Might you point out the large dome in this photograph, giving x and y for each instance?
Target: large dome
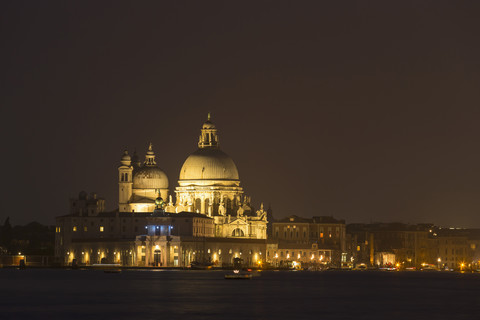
(149, 177)
(209, 164)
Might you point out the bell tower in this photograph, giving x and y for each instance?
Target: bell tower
(125, 182)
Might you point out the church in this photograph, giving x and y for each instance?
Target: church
(208, 219)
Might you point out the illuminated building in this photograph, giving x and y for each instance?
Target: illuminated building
(453, 247)
(211, 220)
(319, 240)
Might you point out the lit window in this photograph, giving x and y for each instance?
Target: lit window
(74, 228)
(358, 248)
(85, 228)
(101, 228)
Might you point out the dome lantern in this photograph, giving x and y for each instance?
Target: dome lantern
(150, 156)
(208, 135)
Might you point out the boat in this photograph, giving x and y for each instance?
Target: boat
(238, 276)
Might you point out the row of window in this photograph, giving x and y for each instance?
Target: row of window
(230, 251)
(329, 229)
(301, 254)
(296, 234)
(100, 228)
(85, 228)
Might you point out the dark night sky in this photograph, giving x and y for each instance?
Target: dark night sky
(368, 111)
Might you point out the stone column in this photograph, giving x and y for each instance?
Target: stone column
(202, 203)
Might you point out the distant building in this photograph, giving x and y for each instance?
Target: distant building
(457, 248)
(413, 246)
(318, 240)
(410, 244)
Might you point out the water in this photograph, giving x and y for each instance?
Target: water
(93, 294)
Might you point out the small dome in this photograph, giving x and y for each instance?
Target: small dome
(126, 156)
(209, 164)
(208, 125)
(149, 177)
(126, 159)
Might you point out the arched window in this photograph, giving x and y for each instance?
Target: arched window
(238, 233)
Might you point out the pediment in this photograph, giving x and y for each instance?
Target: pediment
(238, 222)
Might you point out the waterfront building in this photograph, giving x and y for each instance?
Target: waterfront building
(210, 219)
(359, 245)
(457, 248)
(318, 240)
(411, 245)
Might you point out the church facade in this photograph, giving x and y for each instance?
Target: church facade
(208, 219)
